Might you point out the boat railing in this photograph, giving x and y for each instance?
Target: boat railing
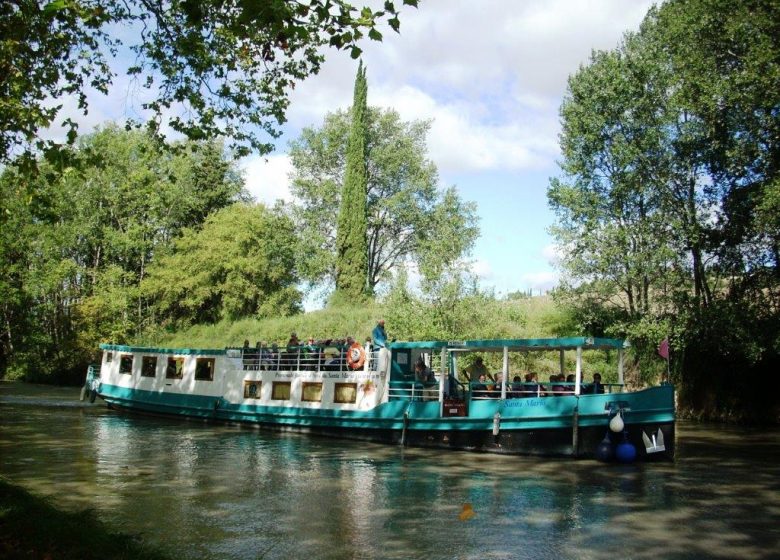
(93, 373)
(91, 383)
(410, 391)
(304, 358)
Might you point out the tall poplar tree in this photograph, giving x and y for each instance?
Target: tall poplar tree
(351, 244)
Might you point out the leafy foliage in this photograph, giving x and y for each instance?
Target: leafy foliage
(667, 201)
(409, 217)
(211, 68)
(351, 243)
(75, 244)
(241, 263)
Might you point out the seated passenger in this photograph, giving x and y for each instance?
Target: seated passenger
(290, 357)
(423, 374)
(533, 388)
(273, 357)
(517, 387)
(570, 383)
(555, 381)
(311, 355)
(479, 389)
(594, 388)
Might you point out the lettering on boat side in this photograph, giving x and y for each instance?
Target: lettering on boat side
(524, 402)
(329, 375)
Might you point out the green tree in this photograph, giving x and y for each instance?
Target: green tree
(668, 194)
(240, 264)
(615, 223)
(212, 68)
(410, 218)
(74, 246)
(351, 230)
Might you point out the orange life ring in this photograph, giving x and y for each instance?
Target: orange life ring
(356, 356)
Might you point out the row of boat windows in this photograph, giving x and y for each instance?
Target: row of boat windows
(344, 393)
(174, 369)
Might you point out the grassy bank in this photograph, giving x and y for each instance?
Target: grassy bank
(30, 527)
(523, 318)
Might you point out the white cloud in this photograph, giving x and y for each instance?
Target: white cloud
(482, 269)
(267, 178)
(490, 75)
(472, 46)
(552, 253)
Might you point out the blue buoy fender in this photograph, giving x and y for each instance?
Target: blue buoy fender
(625, 450)
(605, 452)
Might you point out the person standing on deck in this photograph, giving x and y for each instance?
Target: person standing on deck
(476, 369)
(378, 335)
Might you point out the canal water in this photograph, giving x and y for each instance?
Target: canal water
(198, 491)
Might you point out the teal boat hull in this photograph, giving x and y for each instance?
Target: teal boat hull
(567, 425)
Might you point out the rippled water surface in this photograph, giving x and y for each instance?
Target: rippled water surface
(204, 491)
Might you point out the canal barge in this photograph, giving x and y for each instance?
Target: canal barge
(374, 394)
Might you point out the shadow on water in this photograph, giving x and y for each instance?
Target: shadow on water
(204, 491)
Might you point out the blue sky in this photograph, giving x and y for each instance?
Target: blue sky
(491, 75)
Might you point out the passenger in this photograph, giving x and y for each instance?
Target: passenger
(290, 357)
(335, 357)
(344, 345)
(454, 390)
(534, 389)
(311, 357)
(517, 387)
(379, 335)
(598, 388)
(267, 360)
(496, 394)
(423, 374)
(526, 387)
(245, 357)
(476, 369)
(480, 389)
(254, 357)
(555, 381)
(570, 383)
(274, 356)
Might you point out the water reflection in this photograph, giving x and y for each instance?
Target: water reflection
(205, 491)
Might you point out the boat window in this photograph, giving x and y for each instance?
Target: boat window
(345, 393)
(312, 392)
(126, 364)
(109, 356)
(149, 366)
(175, 368)
(281, 391)
(252, 389)
(204, 369)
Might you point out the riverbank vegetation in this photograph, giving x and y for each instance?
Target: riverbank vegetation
(668, 222)
(668, 206)
(31, 527)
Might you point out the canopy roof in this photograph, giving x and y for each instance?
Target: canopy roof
(518, 344)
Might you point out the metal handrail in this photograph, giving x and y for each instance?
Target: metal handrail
(302, 358)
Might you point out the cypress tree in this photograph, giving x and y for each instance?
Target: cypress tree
(351, 243)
